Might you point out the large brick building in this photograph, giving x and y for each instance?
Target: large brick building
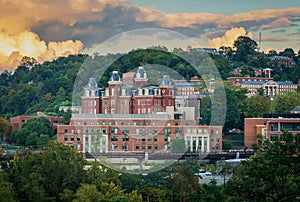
(133, 116)
(270, 127)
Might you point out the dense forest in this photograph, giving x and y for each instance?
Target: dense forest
(34, 87)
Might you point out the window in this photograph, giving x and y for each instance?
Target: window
(114, 130)
(155, 147)
(78, 147)
(114, 146)
(167, 139)
(78, 139)
(167, 131)
(137, 146)
(72, 138)
(143, 146)
(125, 147)
(274, 137)
(282, 137)
(66, 138)
(149, 131)
(149, 139)
(125, 138)
(149, 146)
(155, 139)
(66, 130)
(125, 131)
(137, 139)
(178, 130)
(114, 138)
(143, 139)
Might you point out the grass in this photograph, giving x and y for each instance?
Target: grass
(237, 140)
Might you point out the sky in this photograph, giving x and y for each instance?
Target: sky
(46, 29)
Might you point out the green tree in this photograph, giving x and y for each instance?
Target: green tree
(290, 100)
(87, 192)
(211, 192)
(7, 193)
(48, 174)
(36, 132)
(256, 106)
(182, 182)
(271, 175)
(226, 145)
(244, 46)
(178, 145)
(288, 52)
(4, 127)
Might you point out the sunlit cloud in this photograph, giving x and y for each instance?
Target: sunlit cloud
(14, 47)
(228, 38)
(41, 29)
(281, 22)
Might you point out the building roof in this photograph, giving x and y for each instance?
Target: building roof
(281, 116)
(296, 109)
(184, 84)
(128, 74)
(236, 69)
(284, 82)
(254, 82)
(281, 57)
(256, 69)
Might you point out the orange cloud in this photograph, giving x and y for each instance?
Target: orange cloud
(14, 47)
(281, 22)
(228, 38)
(19, 18)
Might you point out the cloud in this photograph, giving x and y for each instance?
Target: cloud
(281, 22)
(14, 47)
(228, 38)
(278, 30)
(275, 38)
(57, 22)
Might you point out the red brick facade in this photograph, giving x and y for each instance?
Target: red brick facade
(17, 122)
(270, 128)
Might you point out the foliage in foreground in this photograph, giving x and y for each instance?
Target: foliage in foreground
(58, 174)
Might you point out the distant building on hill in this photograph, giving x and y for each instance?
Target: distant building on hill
(283, 60)
(17, 122)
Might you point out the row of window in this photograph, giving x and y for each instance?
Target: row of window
(150, 131)
(137, 139)
(71, 138)
(138, 147)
